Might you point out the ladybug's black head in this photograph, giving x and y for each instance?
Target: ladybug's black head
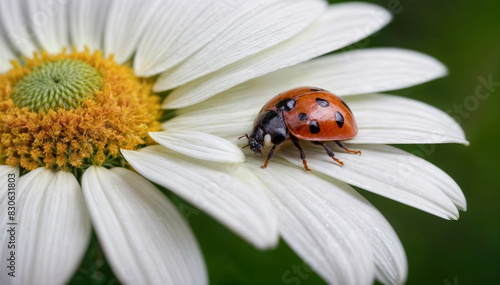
(256, 140)
(267, 123)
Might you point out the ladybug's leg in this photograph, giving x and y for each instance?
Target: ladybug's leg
(329, 152)
(302, 154)
(268, 157)
(342, 145)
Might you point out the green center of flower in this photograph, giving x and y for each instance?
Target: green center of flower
(64, 84)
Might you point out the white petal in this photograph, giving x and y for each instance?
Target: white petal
(385, 119)
(200, 145)
(230, 121)
(389, 172)
(6, 53)
(340, 26)
(318, 221)
(16, 27)
(348, 73)
(337, 198)
(179, 28)
(228, 192)
(264, 25)
(87, 22)
(388, 252)
(373, 70)
(145, 239)
(126, 22)
(49, 22)
(53, 228)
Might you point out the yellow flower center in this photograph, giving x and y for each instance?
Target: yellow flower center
(72, 110)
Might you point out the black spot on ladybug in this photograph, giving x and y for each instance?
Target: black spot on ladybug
(345, 105)
(339, 118)
(314, 127)
(286, 104)
(317, 89)
(322, 102)
(303, 117)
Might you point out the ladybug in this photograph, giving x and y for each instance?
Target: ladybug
(304, 113)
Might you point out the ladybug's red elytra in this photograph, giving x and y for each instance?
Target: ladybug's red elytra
(304, 113)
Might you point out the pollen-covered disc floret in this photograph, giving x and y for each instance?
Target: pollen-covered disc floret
(73, 109)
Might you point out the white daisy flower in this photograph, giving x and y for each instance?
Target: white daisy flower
(79, 119)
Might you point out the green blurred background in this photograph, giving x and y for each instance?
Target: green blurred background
(465, 36)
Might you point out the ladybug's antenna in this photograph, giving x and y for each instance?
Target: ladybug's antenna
(243, 136)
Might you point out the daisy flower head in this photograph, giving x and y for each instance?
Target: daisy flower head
(101, 99)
